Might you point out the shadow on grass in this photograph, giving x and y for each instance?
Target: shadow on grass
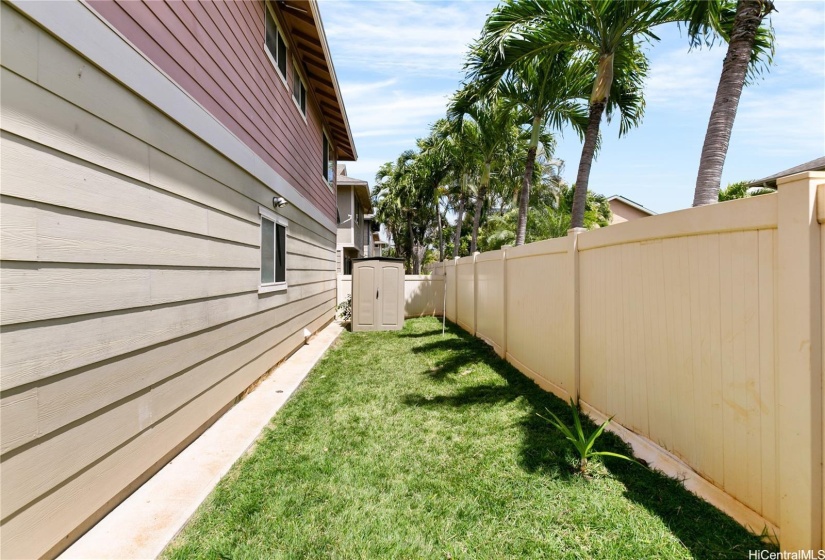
(705, 531)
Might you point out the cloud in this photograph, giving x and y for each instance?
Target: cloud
(404, 36)
(395, 113)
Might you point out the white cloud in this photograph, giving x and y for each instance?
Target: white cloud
(394, 113)
(403, 36)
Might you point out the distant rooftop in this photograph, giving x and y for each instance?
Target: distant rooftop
(629, 202)
(817, 164)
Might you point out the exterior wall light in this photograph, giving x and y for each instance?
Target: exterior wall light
(279, 202)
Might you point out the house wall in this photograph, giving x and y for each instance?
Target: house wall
(624, 212)
(215, 52)
(345, 212)
(700, 332)
(130, 269)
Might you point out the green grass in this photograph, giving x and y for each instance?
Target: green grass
(414, 445)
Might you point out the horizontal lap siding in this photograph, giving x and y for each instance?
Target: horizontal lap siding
(131, 313)
(214, 50)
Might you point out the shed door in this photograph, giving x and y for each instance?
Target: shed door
(390, 314)
(365, 302)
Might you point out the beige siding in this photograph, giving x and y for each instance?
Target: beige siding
(131, 313)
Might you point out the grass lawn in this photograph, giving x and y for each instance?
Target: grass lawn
(414, 445)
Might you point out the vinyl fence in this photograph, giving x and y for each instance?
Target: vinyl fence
(699, 330)
(424, 294)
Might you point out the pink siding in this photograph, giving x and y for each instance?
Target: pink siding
(214, 50)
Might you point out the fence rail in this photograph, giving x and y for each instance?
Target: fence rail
(700, 331)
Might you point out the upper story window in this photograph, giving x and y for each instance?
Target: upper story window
(273, 251)
(299, 91)
(274, 44)
(328, 163)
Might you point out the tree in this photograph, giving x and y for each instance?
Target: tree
(601, 33)
(549, 90)
(738, 190)
(431, 168)
(750, 50)
(496, 131)
(458, 143)
(403, 202)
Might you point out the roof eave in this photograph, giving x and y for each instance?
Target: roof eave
(316, 14)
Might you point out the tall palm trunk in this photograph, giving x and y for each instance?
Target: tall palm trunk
(480, 198)
(598, 101)
(583, 176)
(749, 15)
(524, 197)
(459, 221)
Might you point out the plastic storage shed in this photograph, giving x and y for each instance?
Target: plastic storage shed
(377, 294)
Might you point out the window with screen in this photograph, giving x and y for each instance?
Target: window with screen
(273, 251)
(328, 163)
(299, 91)
(275, 45)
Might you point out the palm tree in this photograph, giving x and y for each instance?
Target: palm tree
(741, 189)
(496, 131)
(750, 49)
(550, 90)
(603, 33)
(432, 167)
(457, 142)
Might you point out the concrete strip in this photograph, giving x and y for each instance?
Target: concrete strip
(143, 524)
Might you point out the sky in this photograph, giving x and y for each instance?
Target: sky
(398, 62)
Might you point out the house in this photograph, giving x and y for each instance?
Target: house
(168, 235)
(356, 237)
(625, 210)
(817, 164)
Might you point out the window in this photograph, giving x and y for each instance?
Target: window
(273, 251)
(275, 45)
(299, 91)
(328, 163)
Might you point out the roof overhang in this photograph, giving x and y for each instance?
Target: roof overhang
(361, 189)
(303, 20)
(817, 164)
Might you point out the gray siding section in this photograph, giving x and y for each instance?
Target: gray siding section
(129, 282)
(345, 214)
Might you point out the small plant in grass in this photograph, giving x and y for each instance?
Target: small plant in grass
(345, 309)
(581, 442)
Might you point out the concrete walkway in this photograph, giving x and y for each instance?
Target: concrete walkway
(142, 525)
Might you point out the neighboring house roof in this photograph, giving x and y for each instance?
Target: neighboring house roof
(817, 164)
(305, 27)
(635, 205)
(361, 187)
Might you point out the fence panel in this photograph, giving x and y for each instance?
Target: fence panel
(465, 294)
(678, 342)
(490, 299)
(540, 327)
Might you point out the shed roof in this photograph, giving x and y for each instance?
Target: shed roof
(303, 20)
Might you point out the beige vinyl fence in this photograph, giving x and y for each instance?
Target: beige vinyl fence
(699, 330)
(423, 294)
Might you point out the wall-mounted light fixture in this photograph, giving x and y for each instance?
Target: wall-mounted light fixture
(279, 202)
